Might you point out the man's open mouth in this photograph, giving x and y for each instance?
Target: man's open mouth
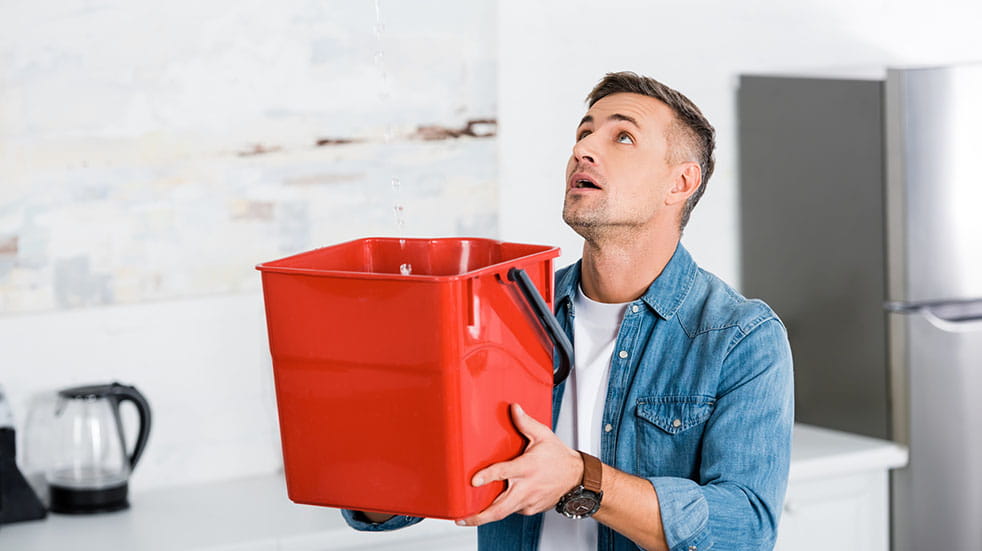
(581, 181)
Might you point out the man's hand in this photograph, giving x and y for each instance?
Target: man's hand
(536, 479)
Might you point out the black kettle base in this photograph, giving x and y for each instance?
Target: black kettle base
(77, 501)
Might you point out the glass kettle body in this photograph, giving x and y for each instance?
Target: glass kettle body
(77, 442)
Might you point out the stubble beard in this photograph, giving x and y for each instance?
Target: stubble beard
(591, 222)
(596, 224)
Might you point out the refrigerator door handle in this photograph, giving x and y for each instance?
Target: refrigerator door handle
(953, 316)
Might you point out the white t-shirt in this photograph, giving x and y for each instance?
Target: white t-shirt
(595, 327)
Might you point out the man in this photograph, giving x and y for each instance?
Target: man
(682, 388)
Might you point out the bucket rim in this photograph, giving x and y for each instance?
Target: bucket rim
(547, 252)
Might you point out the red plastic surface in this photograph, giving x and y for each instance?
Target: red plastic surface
(393, 390)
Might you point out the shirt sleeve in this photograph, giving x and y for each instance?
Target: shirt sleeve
(358, 521)
(746, 453)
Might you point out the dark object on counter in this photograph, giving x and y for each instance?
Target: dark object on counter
(18, 502)
(82, 501)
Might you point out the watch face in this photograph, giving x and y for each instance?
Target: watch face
(580, 503)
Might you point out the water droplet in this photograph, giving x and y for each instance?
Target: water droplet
(400, 216)
(405, 269)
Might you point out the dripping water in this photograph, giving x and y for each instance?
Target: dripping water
(384, 96)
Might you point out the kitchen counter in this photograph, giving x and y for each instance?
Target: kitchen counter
(254, 514)
(250, 514)
(838, 491)
(819, 453)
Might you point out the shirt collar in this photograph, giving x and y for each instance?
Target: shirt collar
(666, 293)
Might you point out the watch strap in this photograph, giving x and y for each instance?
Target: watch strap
(592, 473)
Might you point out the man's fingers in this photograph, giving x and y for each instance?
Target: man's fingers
(498, 471)
(528, 425)
(501, 507)
(526, 497)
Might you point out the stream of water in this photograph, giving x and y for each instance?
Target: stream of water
(384, 96)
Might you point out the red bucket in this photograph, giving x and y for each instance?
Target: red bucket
(393, 390)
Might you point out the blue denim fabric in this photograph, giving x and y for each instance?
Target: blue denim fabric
(702, 406)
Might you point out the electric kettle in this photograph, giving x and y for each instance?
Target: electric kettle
(75, 444)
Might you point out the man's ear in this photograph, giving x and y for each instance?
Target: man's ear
(688, 176)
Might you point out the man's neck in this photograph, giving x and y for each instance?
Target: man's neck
(621, 270)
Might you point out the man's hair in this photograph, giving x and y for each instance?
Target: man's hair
(690, 138)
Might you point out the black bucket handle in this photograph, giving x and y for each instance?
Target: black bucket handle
(548, 321)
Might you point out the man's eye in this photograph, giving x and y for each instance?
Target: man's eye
(582, 135)
(624, 137)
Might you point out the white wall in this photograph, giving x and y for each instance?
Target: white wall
(551, 53)
(203, 364)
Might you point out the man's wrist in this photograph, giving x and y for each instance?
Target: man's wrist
(584, 499)
(581, 470)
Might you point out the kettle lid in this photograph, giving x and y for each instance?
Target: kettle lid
(90, 391)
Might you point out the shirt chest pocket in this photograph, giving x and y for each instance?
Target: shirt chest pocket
(670, 434)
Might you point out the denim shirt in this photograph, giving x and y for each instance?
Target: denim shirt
(699, 402)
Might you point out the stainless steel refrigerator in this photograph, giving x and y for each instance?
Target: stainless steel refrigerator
(861, 221)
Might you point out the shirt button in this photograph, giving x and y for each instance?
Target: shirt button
(692, 548)
(608, 427)
(622, 354)
(634, 308)
(677, 423)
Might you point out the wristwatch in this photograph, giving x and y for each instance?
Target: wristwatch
(584, 500)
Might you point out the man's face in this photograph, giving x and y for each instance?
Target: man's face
(618, 175)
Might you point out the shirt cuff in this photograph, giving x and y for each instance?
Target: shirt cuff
(684, 513)
(358, 521)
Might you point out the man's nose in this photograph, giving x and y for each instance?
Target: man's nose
(584, 152)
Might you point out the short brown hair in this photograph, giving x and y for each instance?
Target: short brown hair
(690, 136)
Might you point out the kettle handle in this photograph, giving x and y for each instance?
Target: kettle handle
(548, 321)
(122, 393)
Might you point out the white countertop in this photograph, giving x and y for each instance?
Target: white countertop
(819, 452)
(250, 514)
(254, 514)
